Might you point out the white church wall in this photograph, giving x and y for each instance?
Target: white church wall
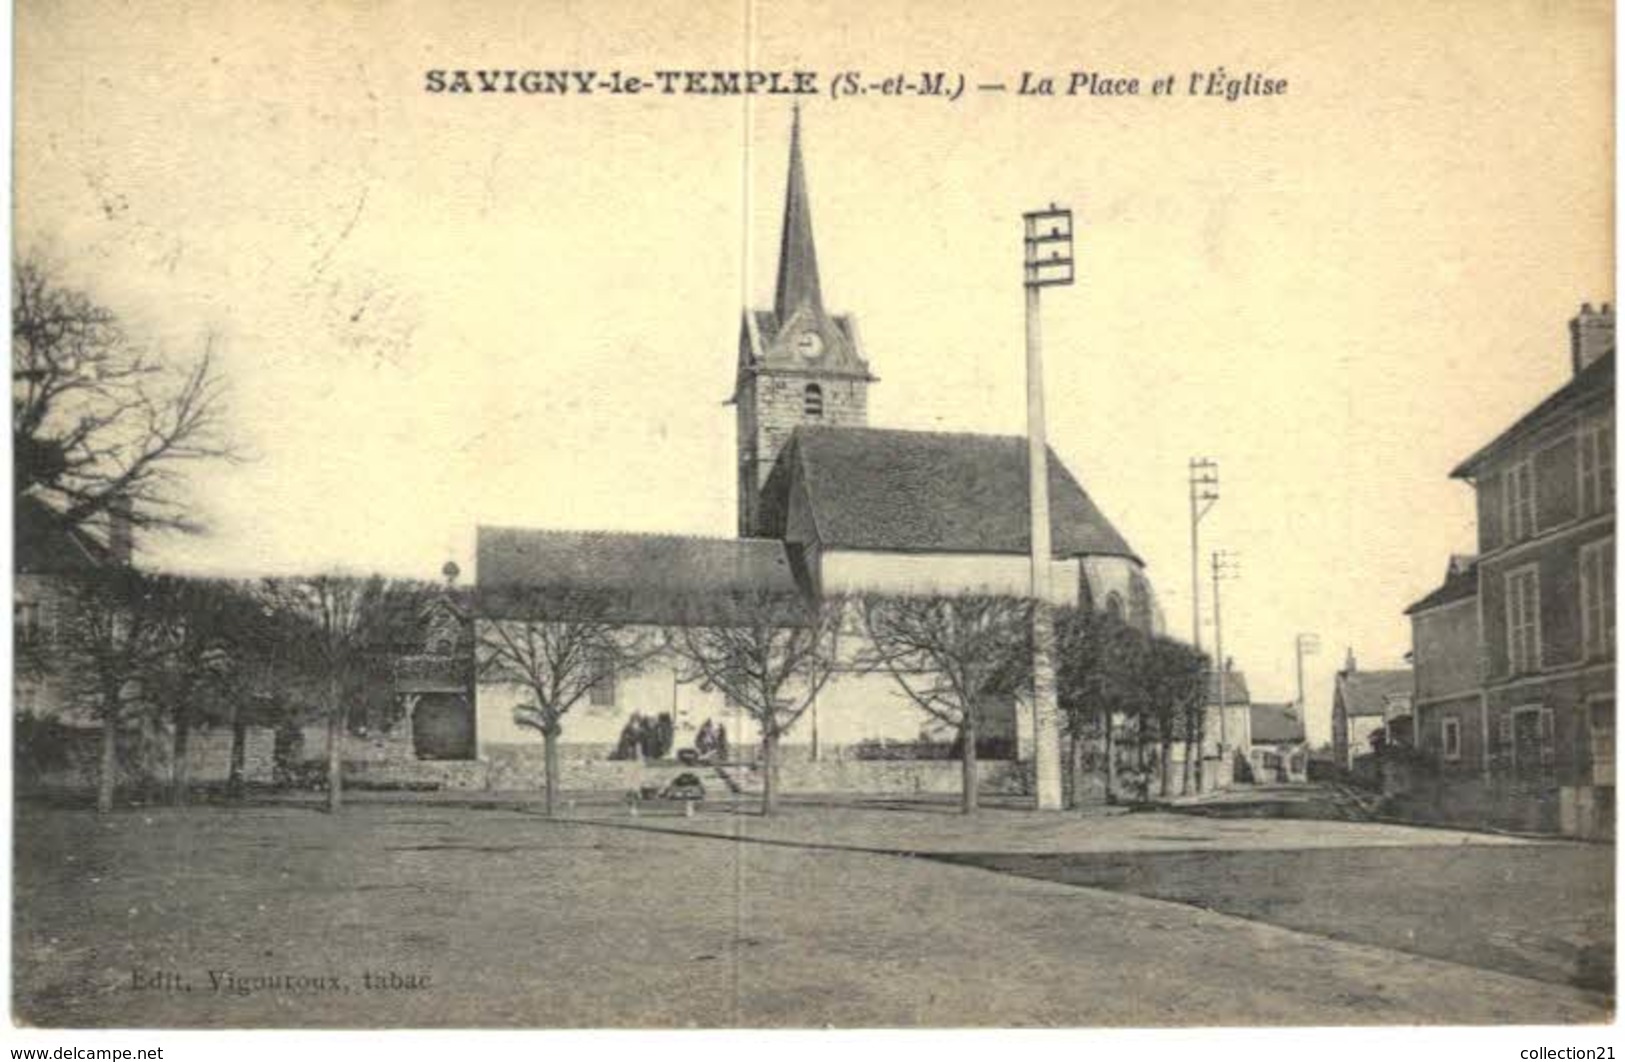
(1115, 575)
(874, 571)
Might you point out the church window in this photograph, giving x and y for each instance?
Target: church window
(813, 401)
(1114, 606)
(602, 693)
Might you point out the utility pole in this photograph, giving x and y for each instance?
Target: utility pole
(1047, 262)
(1204, 488)
(1304, 645)
(1224, 567)
(1204, 483)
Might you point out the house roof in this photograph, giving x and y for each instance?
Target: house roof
(1274, 724)
(1370, 692)
(1596, 378)
(1235, 688)
(1460, 584)
(46, 544)
(633, 578)
(930, 492)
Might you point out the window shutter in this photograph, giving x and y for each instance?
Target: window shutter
(1548, 742)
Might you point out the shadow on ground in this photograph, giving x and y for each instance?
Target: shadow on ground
(1543, 911)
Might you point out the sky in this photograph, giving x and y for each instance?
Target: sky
(437, 311)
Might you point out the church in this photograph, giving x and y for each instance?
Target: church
(827, 504)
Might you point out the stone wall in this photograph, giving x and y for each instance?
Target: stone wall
(149, 762)
(896, 777)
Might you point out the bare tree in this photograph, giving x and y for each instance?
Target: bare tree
(951, 655)
(1174, 679)
(212, 626)
(1107, 669)
(342, 629)
(113, 635)
(769, 653)
(559, 645)
(96, 421)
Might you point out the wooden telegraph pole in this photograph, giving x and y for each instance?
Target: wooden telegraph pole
(1048, 263)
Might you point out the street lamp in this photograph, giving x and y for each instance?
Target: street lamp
(1047, 262)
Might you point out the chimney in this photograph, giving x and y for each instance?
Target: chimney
(121, 531)
(1591, 334)
(1349, 666)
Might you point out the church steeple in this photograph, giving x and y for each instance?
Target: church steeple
(799, 365)
(798, 258)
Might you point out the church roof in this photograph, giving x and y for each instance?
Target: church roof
(911, 491)
(633, 578)
(798, 258)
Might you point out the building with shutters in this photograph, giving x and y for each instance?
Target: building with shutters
(1514, 652)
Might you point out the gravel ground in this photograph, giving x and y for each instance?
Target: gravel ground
(418, 915)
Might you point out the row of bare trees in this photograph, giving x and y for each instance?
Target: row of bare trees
(175, 653)
(953, 656)
(167, 653)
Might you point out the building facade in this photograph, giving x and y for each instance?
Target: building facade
(1451, 725)
(1276, 749)
(1542, 736)
(1364, 705)
(51, 558)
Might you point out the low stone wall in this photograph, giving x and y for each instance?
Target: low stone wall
(897, 777)
(149, 762)
(459, 775)
(522, 767)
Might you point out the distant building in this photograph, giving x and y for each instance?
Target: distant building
(1364, 703)
(51, 556)
(1446, 655)
(1227, 733)
(1276, 743)
(1540, 731)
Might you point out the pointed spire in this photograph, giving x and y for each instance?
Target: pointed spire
(798, 259)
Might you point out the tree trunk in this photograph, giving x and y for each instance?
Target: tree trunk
(109, 773)
(550, 753)
(179, 767)
(239, 752)
(1167, 761)
(1185, 775)
(1111, 758)
(770, 771)
(967, 767)
(335, 748)
(1074, 768)
(1142, 777)
(1201, 746)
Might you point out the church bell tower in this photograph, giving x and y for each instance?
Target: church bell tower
(798, 363)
